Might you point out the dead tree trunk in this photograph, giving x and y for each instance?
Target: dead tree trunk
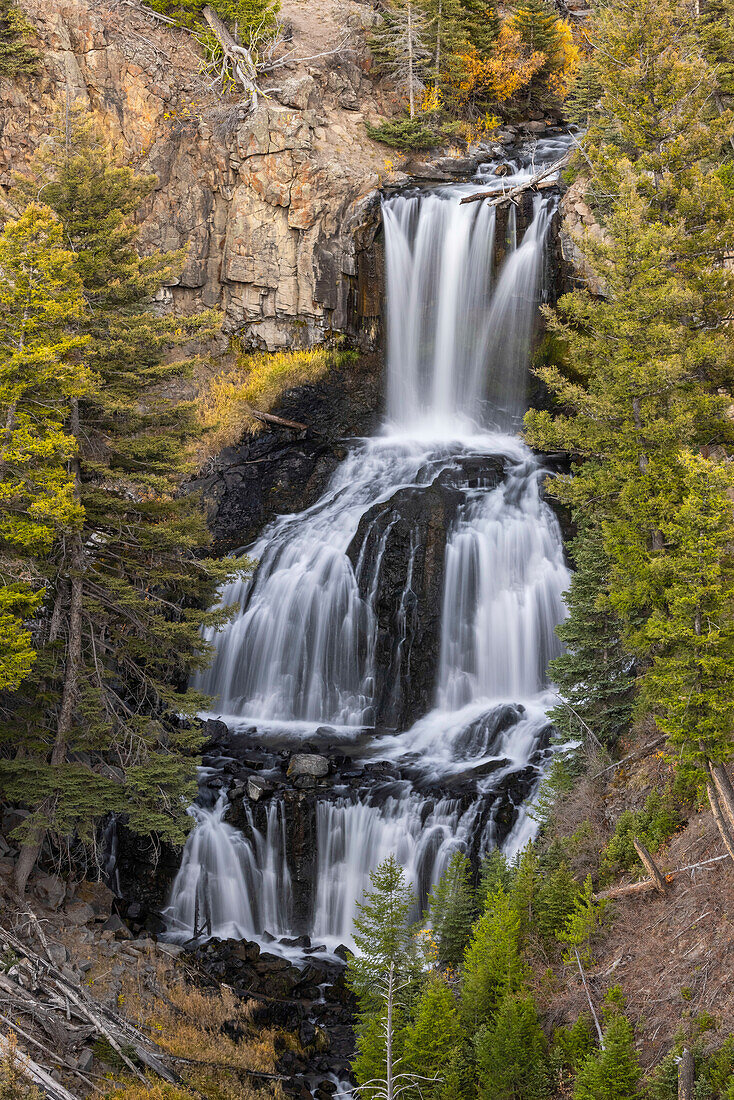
(723, 825)
(650, 865)
(725, 791)
(239, 57)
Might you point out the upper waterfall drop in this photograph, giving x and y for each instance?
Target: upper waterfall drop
(412, 608)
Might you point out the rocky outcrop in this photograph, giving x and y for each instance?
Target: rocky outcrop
(404, 539)
(283, 470)
(277, 209)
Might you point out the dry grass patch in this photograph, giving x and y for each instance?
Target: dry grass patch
(228, 403)
(209, 1033)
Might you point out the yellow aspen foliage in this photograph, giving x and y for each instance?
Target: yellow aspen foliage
(560, 81)
(501, 76)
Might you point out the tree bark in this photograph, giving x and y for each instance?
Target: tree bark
(388, 1034)
(411, 93)
(686, 1076)
(721, 822)
(725, 791)
(650, 865)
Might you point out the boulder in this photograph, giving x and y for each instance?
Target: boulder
(48, 889)
(78, 913)
(311, 764)
(256, 788)
(99, 896)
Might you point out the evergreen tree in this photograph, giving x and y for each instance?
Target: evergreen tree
(98, 724)
(541, 31)
(494, 873)
(524, 890)
(582, 103)
(557, 895)
(512, 1052)
(447, 37)
(715, 28)
(480, 23)
(594, 674)
(382, 933)
(492, 964)
(17, 58)
(384, 973)
(452, 909)
(40, 372)
(614, 1072)
(690, 634)
(431, 1040)
(400, 47)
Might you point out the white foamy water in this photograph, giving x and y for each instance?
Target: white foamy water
(302, 650)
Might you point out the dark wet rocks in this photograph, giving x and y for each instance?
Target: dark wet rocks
(405, 537)
(282, 470)
(308, 1000)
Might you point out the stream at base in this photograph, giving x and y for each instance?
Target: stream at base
(383, 688)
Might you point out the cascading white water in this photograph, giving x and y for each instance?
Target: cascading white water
(304, 648)
(505, 576)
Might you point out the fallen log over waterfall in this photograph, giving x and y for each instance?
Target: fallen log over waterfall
(539, 182)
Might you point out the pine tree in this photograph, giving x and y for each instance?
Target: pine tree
(614, 1072)
(648, 366)
(523, 892)
(480, 22)
(494, 873)
(690, 687)
(542, 31)
(17, 58)
(384, 973)
(452, 909)
(715, 28)
(585, 94)
(383, 934)
(433, 1037)
(98, 723)
(557, 895)
(40, 372)
(492, 964)
(401, 50)
(446, 38)
(512, 1052)
(594, 674)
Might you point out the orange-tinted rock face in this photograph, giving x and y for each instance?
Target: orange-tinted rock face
(278, 209)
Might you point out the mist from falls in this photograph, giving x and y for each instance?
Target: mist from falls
(309, 645)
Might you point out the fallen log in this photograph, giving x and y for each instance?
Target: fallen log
(650, 883)
(638, 754)
(650, 865)
(269, 418)
(37, 1073)
(539, 181)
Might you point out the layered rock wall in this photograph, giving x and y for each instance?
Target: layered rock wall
(278, 209)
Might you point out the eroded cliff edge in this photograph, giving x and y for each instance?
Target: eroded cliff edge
(278, 209)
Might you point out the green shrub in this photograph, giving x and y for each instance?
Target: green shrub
(409, 134)
(17, 58)
(654, 825)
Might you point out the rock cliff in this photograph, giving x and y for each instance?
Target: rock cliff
(278, 209)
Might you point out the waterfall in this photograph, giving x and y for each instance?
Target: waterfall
(427, 581)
